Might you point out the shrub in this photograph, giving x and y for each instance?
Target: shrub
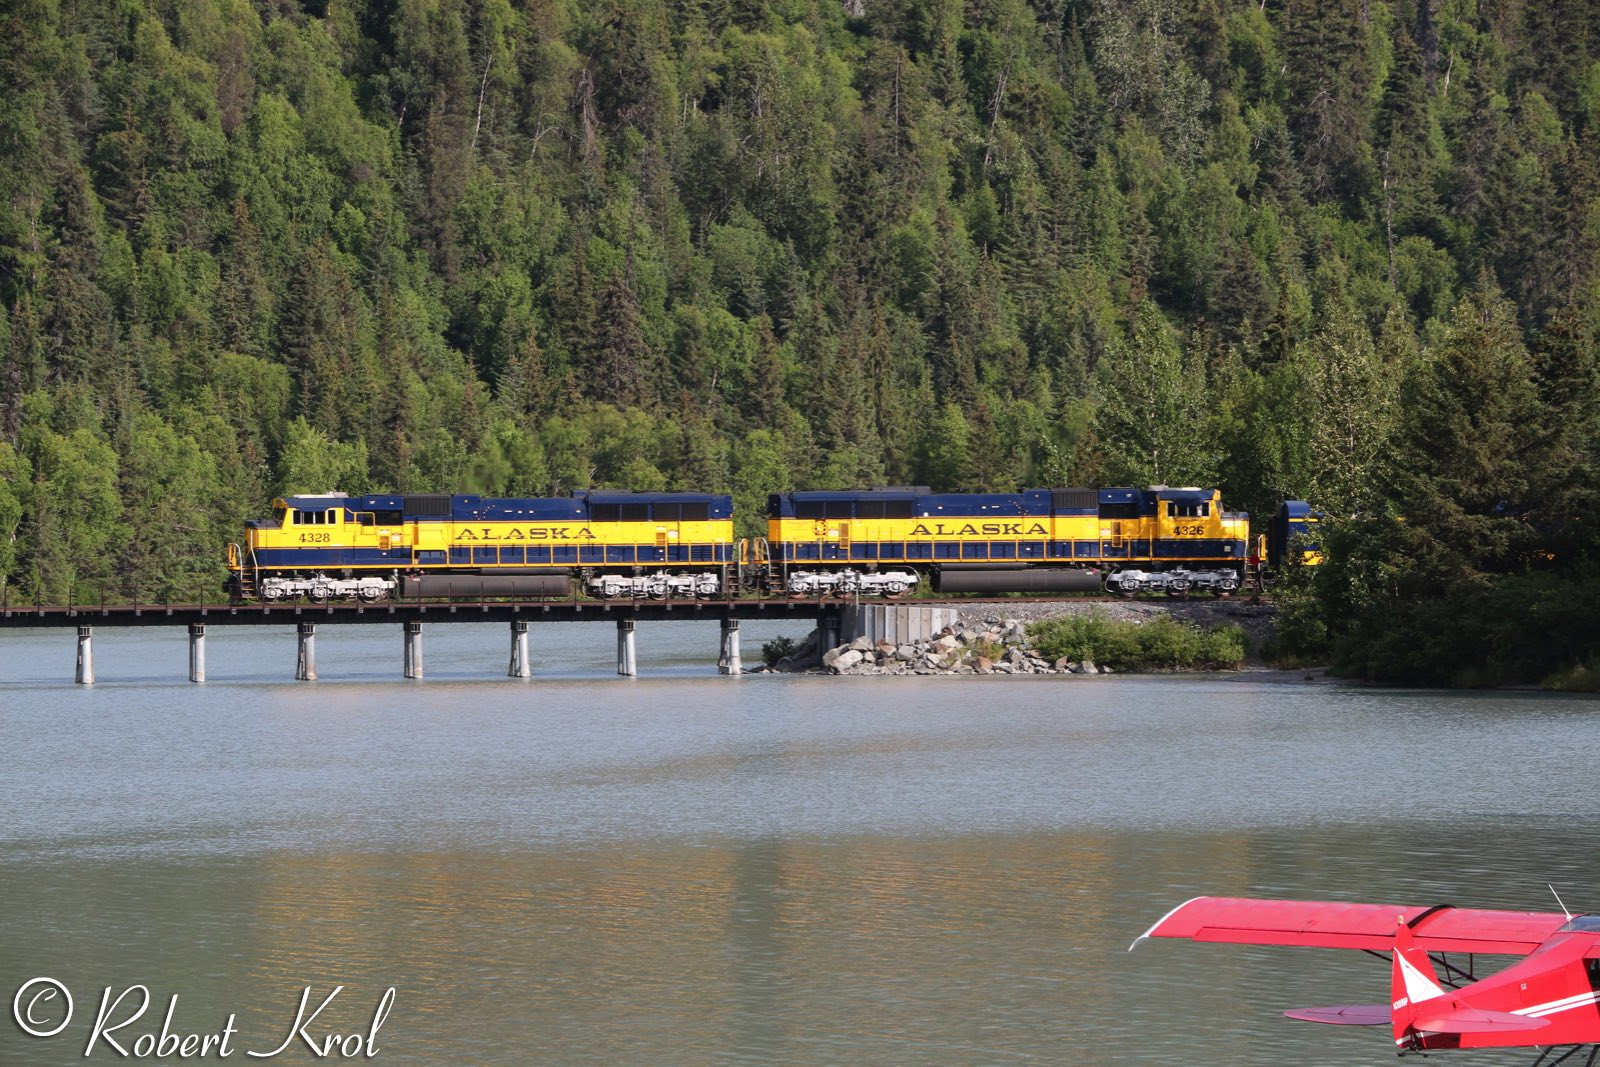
(1163, 643)
(774, 650)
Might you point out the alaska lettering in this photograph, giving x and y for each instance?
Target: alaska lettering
(532, 533)
(981, 529)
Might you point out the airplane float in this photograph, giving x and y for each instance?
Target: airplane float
(1545, 1001)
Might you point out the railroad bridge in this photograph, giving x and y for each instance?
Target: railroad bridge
(836, 621)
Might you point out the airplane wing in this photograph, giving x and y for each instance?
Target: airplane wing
(1326, 924)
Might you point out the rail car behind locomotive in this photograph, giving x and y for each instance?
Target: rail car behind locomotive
(1039, 540)
(333, 546)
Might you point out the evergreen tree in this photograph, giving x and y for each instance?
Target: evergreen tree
(1475, 445)
(1151, 414)
(1328, 71)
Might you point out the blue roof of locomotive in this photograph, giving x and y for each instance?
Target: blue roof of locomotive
(1027, 502)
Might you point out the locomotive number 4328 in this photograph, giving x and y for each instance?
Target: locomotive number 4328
(313, 538)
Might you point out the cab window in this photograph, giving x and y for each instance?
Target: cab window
(1188, 510)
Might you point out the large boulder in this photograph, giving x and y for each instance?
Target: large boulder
(844, 660)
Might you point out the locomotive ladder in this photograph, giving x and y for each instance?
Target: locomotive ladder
(247, 571)
(1252, 570)
(753, 558)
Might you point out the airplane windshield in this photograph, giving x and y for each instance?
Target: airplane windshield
(1582, 924)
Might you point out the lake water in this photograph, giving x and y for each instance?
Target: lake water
(689, 869)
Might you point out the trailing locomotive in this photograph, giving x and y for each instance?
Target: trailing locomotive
(333, 546)
(619, 544)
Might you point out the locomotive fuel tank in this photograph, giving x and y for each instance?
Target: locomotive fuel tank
(482, 585)
(1017, 580)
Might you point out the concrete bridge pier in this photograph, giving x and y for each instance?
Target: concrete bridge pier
(306, 666)
(520, 667)
(827, 632)
(413, 649)
(728, 662)
(898, 624)
(627, 657)
(197, 652)
(85, 675)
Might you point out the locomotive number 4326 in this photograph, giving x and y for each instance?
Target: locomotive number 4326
(1189, 531)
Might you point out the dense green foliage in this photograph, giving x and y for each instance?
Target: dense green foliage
(1162, 644)
(1342, 250)
(772, 652)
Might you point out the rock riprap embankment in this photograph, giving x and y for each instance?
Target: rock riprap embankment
(991, 646)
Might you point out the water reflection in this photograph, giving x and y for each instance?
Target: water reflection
(861, 950)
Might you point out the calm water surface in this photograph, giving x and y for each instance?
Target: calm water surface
(688, 869)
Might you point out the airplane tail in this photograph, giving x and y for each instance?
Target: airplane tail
(1421, 1006)
(1412, 985)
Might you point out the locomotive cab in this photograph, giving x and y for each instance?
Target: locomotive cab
(1188, 514)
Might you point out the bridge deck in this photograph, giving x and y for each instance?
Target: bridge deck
(402, 611)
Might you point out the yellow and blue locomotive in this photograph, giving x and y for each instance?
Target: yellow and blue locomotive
(881, 542)
(333, 546)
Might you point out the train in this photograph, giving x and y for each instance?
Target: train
(617, 544)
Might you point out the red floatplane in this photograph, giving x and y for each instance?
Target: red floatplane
(1546, 1001)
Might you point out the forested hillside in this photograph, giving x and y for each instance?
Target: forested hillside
(1344, 250)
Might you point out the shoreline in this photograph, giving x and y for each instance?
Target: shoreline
(986, 640)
